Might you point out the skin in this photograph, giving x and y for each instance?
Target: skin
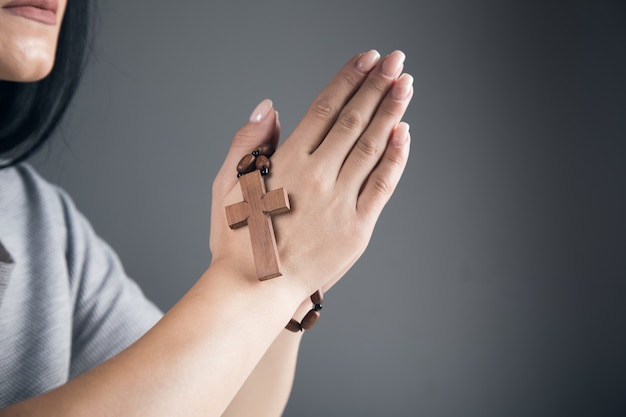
(27, 47)
(215, 352)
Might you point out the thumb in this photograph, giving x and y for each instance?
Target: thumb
(262, 127)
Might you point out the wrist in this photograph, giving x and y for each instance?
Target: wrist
(239, 276)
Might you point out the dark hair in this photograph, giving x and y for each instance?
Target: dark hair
(29, 112)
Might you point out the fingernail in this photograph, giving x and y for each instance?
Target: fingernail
(367, 61)
(402, 87)
(392, 64)
(261, 111)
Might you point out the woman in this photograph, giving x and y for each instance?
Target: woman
(76, 335)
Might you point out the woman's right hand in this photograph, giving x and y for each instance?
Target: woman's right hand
(340, 166)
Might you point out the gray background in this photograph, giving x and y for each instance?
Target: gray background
(494, 284)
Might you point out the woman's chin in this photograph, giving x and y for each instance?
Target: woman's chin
(31, 73)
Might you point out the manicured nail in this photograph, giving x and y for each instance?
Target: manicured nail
(402, 87)
(261, 111)
(367, 61)
(392, 64)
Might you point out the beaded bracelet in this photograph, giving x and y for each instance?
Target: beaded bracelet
(259, 159)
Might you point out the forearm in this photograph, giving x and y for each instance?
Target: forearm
(267, 389)
(191, 363)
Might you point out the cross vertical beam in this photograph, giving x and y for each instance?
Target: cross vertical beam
(255, 211)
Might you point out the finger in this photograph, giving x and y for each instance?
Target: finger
(369, 148)
(324, 110)
(383, 180)
(263, 127)
(359, 111)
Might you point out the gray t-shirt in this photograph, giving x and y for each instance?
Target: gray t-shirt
(66, 303)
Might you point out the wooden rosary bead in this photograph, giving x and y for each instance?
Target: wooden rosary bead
(293, 326)
(318, 297)
(310, 319)
(263, 161)
(246, 164)
(266, 149)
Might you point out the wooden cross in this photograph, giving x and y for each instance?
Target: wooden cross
(256, 211)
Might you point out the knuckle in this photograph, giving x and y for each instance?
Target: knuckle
(247, 136)
(316, 180)
(381, 185)
(378, 85)
(350, 79)
(389, 112)
(350, 119)
(244, 136)
(395, 159)
(324, 108)
(368, 146)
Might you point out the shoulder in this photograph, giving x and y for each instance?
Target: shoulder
(32, 211)
(22, 180)
(25, 195)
